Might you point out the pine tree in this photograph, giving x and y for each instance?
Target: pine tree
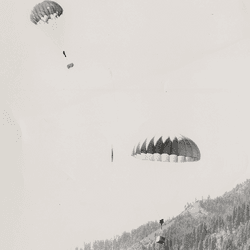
(203, 231)
(167, 245)
(87, 246)
(200, 245)
(190, 240)
(230, 223)
(237, 219)
(184, 243)
(246, 213)
(193, 237)
(213, 243)
(234, 214)
(245, 234)
(243, 211)
(248, 229)
(225, 244)
(241, 214)
(153, 246)
(240, 236)
(198, 236)
(170, 243)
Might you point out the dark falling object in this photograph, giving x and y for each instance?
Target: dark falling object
(69, 65)
(112, 156)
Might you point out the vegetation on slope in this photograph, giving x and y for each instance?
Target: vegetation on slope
(220, 223)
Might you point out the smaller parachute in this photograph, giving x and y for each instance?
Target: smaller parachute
(45, 11)
(48, 16)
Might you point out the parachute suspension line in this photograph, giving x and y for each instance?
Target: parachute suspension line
(157, 211)
(113, 113)
(69, 65)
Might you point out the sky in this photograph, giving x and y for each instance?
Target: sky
(140, 67)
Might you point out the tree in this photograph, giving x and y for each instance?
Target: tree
(230, 223)
(200, 245)
(234, 214)
(212, 244)
(87, 246)
(237, 218)
(185, 243)
(206, 242)
(203, 231)
(167, 247)
(247, 215)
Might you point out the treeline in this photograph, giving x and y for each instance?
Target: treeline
(226, 226)
(231, 231)
(126, 240)
(225, 203)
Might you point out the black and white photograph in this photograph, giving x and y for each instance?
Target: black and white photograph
(125, 125)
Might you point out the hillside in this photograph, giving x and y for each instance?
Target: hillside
(220, 223)
(195, 210)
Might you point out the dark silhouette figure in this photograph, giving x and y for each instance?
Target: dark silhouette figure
(112, 155)
(161, 222)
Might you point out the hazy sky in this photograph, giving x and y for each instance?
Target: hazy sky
(140, 67)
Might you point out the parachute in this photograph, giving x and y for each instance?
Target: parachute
(170, 148)
(45, 11)
(47, 15)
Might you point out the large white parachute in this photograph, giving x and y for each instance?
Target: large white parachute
(172, 148)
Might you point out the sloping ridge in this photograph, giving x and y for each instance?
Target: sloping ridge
(150, 238)
(195, 210)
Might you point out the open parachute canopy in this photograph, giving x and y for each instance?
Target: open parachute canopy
(45, 11)
(167, 148)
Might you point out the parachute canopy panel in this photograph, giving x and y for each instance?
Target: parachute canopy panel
(170, 148)
(45, 11)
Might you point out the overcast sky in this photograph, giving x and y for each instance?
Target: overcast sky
(140, 67)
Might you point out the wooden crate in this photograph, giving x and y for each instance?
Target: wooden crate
(160, 240)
